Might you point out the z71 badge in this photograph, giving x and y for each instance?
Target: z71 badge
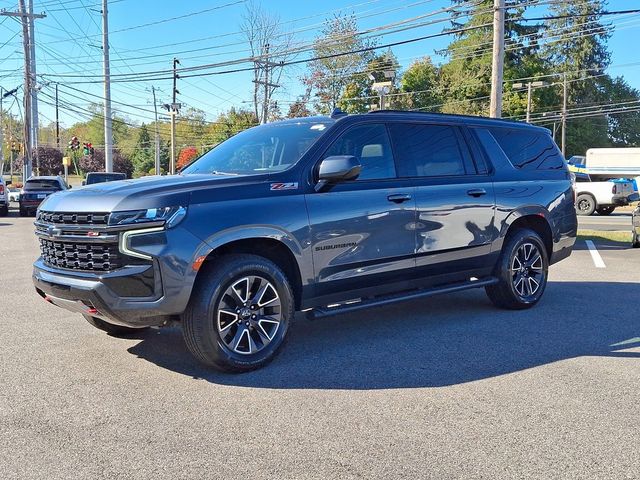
(284, 186)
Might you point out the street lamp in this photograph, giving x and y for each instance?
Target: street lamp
(529, 86)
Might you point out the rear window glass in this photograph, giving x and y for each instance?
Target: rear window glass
(104, 177)
(42, 184)
(528, 150)
(427, 150)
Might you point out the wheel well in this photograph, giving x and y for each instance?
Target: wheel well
(538, 224)
(272, 250)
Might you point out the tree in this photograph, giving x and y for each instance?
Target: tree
(270, 46)
(143, 157)
(186, 155)
(420, 82)
(95, 162)
(341, 55)
(230, 123)
(466, 77)
(299, 109)
(50, 160)
(579, 51)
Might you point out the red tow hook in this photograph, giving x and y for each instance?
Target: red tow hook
(92, 311)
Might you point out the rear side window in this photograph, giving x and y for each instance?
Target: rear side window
(370, 145)
(427, 150)
(528, 150)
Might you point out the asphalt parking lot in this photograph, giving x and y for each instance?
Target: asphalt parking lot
(446, 387)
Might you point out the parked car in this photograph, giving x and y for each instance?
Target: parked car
(4, 197)
(101, 177)
(635, 229)
(36, 189)
(322, 214)
(602, 197)
(14, 194)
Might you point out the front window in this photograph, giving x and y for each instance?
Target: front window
(264, 149)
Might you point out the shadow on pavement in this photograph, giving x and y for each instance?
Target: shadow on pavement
(439, 341)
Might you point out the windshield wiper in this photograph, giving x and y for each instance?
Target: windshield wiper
(216, 172)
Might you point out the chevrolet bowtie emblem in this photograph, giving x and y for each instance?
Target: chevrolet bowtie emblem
(53, 231)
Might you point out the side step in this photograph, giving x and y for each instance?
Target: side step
(324, 312)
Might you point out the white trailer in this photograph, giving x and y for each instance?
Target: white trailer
(607, 163)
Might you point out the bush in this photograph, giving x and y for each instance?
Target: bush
(95, 162)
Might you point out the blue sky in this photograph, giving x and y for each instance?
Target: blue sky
(69, 37)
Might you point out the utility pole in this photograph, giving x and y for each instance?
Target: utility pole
(34, 91)
(173, 112)
(497, 65)
(24, 17)
(57, 120)
(266, 83)
(1, 131)
(564, 114)
(108, 127)
(155, 109)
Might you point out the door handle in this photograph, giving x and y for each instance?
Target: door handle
(399, 197)
(476, 192)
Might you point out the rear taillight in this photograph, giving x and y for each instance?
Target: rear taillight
(1, 189)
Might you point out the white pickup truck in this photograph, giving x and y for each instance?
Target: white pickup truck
(602, 197)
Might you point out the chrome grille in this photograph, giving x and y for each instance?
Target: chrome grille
(101, 257)
(74, 218)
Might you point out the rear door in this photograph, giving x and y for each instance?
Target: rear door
(454, 199)
(363, 231)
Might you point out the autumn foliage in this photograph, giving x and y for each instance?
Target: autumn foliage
(186, 155)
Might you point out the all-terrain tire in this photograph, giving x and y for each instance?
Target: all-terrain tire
(220, 330)
(517, 278)
(585, 204)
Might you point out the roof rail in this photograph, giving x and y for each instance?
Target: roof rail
(337, 113)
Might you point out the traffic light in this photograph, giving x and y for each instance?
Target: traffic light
(74, 143)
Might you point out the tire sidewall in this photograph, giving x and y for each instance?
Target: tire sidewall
(590, 199)
(520, 238)
(212, 297)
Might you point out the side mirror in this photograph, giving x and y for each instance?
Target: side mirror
(336, 169)
(84, 182)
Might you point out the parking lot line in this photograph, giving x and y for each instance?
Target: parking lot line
(595, 255)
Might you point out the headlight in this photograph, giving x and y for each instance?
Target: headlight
(170, 215)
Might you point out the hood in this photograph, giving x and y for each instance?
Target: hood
(145, 192)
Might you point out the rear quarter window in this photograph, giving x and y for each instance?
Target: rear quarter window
(528, 150)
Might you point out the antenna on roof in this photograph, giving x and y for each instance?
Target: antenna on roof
(337, 113)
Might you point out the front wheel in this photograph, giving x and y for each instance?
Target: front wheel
(521, 270)
(239, 313)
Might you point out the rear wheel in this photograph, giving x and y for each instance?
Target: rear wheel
(521, 270)
(239, 313)
(608, 210)
(23, 212)
(635, 242)
(4, 211)
(111, 329)
(585, 204)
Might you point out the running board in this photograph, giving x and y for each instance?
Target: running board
(324, 312)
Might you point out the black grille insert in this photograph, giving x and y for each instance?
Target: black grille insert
(74, 218)
(100, 257)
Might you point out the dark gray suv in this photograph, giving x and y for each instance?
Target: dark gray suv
(324, 215)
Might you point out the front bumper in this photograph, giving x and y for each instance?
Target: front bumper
(93, 297)
(110, 295)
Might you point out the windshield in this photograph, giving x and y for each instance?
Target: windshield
(268, 148)
(42, 184)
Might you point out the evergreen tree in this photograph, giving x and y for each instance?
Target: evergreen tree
(577, 47)
(466, 77)
(144, 156)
